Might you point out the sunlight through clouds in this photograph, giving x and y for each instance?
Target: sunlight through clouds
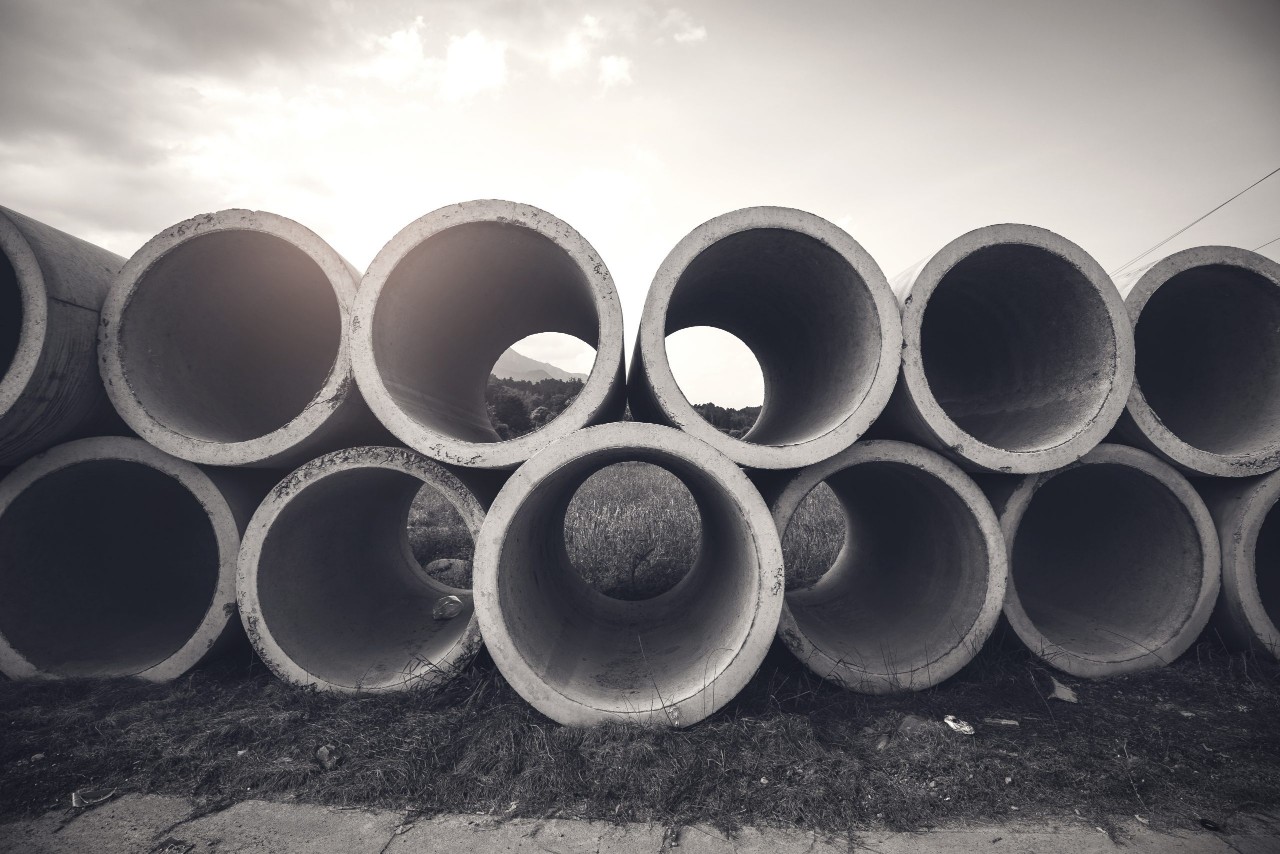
(473, 64)
(614, 71)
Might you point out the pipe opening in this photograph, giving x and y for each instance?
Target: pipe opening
(341, 591)
(525, 392)
(230, 335)
(441, 543)
(1267, 565)
(619, 656)
(456, 302)
(1017, 346)
(807, 316)
(911, 578)
(814, 537)
(1107, 562)
(632, 531)
(107, 568)
(10, 314)
(1208, 359)
(719, 372)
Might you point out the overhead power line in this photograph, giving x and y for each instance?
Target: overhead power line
(1142, 255)
(1265, 245)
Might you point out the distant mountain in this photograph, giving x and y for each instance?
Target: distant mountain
(515, 366)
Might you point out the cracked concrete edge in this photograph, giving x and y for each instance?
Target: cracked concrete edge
(152, 823)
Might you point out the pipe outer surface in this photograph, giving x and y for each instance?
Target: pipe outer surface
(1206, 395)
(1114, 561)
(51, 290)
(1017, 352)
(329, 589)
(580, 657)
(118, 560)
(224, 341)
(809, 302)
(449, 294)
(919, 583)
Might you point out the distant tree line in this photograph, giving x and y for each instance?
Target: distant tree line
(517, 407)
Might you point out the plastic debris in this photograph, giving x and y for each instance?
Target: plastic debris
(958, 725)
(90, 797)
(1001, 722)
(1062, 692)
(447, 607)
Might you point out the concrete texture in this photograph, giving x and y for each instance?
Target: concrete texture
(329, 589)
(581, 657)
(1247, 614)
(449, 294)
(52, 286)
(1017, 352)
(1113, 561)
(1207, 392)
(918, 586)
(813, 307)
(224, 341)
(159, 825)
(118, 560)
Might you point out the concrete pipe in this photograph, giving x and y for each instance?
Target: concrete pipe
(813, 307)
(330, 593)
(51, 288)
(919, 583)
(1017, 353)
(224, 342)
(1113, 561)
(1248, 611)
(1206, 396)
(448, 295)
(118, 560)
(581, 657)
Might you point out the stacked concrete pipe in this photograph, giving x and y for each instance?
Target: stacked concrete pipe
(329, 590)
(224, 341)
(1113, 561)
(52, 286)
(1017, 352)
(813, 307)
(1206, 396)
(919, 583)
(581, 657)
(118, 560)
(448, 295)
(1247, 615)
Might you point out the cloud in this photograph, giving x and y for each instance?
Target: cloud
(473, 64)
(575, 51)
(614, 71)
(683, 29)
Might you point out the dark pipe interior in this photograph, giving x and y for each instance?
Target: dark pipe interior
(106, 568)
(10, 314)
(1018, 347)
(456, 302)
(230, 335)
(805, 314)
(1208, 358)
(1107, 562)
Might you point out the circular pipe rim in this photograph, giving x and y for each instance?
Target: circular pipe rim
(1210, 577)
(966, 647)
(947, 431)
(35, 312)
(600, 382)
(1239, 562)
(666, 390)
(258, 627)
(221, 609)
(523, 677)
(278, 442)
(1165, 442)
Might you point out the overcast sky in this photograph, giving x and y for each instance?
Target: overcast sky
(1112, 122)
